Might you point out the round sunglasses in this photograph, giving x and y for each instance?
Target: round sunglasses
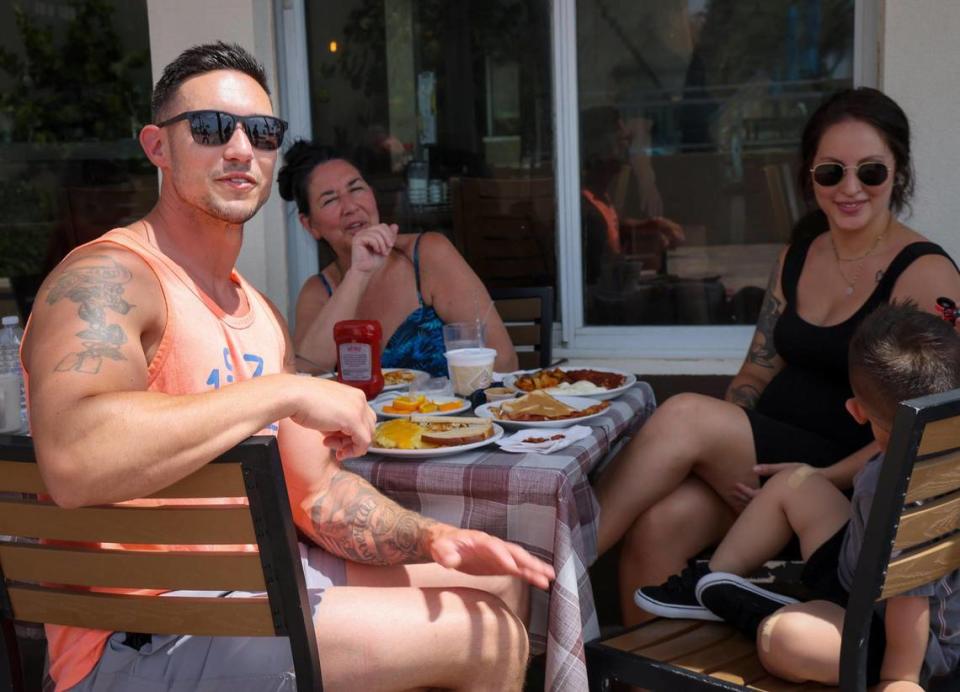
(870, 173)
(215, 128)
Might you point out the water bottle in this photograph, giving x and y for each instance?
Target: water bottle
(13, 406)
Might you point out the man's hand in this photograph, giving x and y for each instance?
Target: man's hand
(337, 410)
(371, 246)
(479, 553)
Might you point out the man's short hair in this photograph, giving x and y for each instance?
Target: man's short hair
(900, 352)
(199, 60)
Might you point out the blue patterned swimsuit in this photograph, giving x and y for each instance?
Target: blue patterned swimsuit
(418, 341)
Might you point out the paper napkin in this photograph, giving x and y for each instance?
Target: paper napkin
(543, 440)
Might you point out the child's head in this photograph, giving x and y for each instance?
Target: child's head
(899, 352)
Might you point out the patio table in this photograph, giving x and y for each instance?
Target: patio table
(542, 502)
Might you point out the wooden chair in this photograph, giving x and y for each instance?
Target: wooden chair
(528, 315)
(906, 545)
(504, 228)
(40, 579)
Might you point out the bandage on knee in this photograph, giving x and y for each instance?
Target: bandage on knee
(766, 632)
(797, 478)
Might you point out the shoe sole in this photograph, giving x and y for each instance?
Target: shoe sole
(672, 610)
(734, 580)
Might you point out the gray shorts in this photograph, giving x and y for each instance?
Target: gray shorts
(186, 663)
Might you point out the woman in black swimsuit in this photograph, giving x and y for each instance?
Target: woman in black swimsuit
(675, 489)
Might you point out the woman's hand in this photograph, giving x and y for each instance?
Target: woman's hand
(371, 247)
(742, 493)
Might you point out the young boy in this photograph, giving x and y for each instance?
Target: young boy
(897, 353)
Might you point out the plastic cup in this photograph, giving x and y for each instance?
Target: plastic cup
(9, 402)
(460, 335)
(470, 369)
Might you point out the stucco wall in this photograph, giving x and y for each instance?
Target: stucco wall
(920, 68)
(250, 23)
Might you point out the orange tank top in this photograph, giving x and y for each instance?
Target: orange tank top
(201, 348)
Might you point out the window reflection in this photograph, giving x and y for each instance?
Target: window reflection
(446, 106)
(74, 92)
(691, 112)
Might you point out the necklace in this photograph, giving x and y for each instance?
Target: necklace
(858, 269)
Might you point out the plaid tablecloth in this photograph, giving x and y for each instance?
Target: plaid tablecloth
(543, 502)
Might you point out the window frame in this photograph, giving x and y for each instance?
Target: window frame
(572, 338)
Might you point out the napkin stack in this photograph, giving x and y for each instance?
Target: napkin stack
(543, 440)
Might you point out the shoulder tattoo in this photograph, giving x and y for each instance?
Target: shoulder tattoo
(97, 287)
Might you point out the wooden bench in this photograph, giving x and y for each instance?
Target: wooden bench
(906, 545)
(35, 577)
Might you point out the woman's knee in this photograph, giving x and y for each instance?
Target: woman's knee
(659, 527)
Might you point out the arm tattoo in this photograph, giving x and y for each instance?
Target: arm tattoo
(353, 520)
(95, 289)
(745, 395)
(762, 350)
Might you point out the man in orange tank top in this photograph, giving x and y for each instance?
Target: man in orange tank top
(148, 355)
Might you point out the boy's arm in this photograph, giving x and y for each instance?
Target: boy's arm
(907, 625)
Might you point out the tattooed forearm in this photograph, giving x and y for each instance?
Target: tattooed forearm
(745, 395)
(96, 289)
(762, 350)
(353, 520)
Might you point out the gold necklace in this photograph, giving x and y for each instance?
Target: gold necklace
(851, 282)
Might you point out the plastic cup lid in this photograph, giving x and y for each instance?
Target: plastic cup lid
(10, 320)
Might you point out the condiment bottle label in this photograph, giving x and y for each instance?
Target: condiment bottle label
(356, 362)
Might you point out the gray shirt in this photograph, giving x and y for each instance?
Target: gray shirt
(943, 647)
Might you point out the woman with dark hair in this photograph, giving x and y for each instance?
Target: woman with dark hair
(676, 488)
(411, 284)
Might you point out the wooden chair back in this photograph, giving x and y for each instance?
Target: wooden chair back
(504, 228)
(910, 539)
(53, 561)
(528, 315)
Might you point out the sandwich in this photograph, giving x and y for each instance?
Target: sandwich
(429, 432)
(538, 405)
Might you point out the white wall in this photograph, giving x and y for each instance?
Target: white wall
(178, 24)
(920, 69)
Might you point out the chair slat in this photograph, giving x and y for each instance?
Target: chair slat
(743, 671)
(940, 436)
(685, 643)
(922, 566)
(221, 571)
(772, 684)
(20, 477)
(650, 634)
(212, 480)
(240, 617)
(518, 309)
(924, 523)
(732, 648)
(932, 477)
(207, 525)
(524, 334)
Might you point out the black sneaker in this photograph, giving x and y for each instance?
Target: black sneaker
(739, 602)
(676, 597)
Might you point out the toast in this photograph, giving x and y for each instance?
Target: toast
(450, 431)
(540, 406)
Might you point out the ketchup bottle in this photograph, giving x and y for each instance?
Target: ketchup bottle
(358, 355)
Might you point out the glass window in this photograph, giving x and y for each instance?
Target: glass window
(74, 91)
(446, 106)
(690, 117)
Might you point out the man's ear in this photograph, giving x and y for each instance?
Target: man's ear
(856, 410)
(154, 145)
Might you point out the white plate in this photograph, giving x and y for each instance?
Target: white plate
(378, 405)
(402, 385)
(577, 402)
(437, 451)
(629, 381)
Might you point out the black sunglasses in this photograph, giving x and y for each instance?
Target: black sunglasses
(870, 173)
(214, 128)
